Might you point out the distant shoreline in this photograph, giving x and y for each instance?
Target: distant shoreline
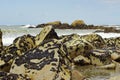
(78, 24)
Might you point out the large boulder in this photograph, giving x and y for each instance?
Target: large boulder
(75, 45)
(112, 42)
(77, 23)
(48, 61)
(96, 40)
(19, 46)
(100, 57)
(47, 33)
(25, 42)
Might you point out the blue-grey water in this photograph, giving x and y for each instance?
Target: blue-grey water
(13, 31)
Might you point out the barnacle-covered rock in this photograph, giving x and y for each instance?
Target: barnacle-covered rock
(65, 38)
(114, 53)
(47, 33)
(100, 57)
(11, 76)
(95, 39)
(104, 56)
(48, 61)
(76, 46)
(24, 43)
(112, 42)
(7, 56)
(81, 60)
(19, 46)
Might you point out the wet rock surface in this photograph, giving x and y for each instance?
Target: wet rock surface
(48, 56)
(11, 76)
(48, 61)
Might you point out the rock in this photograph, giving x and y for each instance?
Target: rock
(47, 33)
(48, 61)
(19, 46)
(111, 29)
(96, 40)
(117, 65)
(7, 56)
(100, 57)
(41, 25)
(66, 38)
(76, 75)
(77, 23)
(63, 26)
(109, 66)
(76, 46)
(25, 42)
(55, 23)
(11, 76)
(112, 42)
(115, 53)
(81, 60)
(114, 65)
(1, 43)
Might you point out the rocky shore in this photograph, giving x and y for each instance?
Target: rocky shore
(78, 24)
(48, 56)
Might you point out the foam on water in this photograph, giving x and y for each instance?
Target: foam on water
(8, 41)
(108, 35)
(28, 25)
(10, 33)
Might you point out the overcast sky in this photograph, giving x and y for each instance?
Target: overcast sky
(98, 12)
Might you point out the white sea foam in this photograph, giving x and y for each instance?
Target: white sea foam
(8, 41)
(108, 35)
(11, 32)
(28, 25)
(9, 35)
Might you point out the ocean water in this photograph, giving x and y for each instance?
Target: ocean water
(14, 31)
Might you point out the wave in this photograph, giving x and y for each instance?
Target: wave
(28, 25)
(10, 34)
(109, 35)
(7, 41)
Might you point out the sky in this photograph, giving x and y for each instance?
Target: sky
(97, 12)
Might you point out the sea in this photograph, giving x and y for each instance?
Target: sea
(10, 32)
